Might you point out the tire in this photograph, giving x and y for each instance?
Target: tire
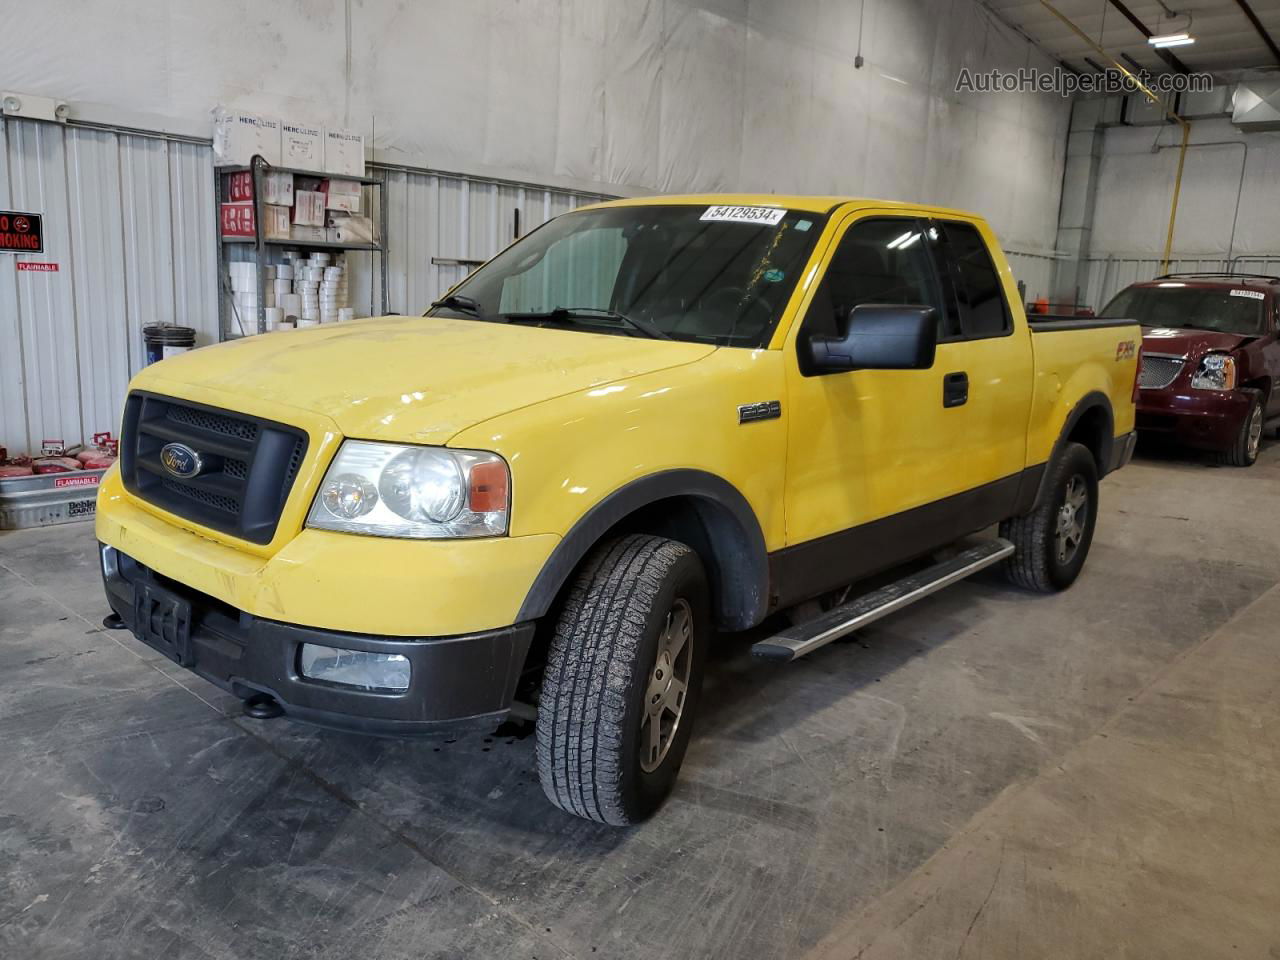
(1044, 559)
(1244, 451)
(626, 606)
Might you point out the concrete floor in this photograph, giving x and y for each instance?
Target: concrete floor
(990, 774)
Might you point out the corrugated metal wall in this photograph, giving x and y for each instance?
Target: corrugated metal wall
(129, 222)
(439, 222)
(129, 219)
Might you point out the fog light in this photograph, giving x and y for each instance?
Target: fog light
(355, 668)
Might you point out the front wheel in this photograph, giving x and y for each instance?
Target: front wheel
(622, 679)
(1052, 541)
(1244, 450)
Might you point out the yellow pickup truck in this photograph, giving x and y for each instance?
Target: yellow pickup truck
(645, 422)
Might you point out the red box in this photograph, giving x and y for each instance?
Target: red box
(241, 186)
(237, 219)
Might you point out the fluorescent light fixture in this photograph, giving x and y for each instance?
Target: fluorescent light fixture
(911, 241)
(1171, 40)
(900, 241)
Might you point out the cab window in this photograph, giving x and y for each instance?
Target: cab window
(884, 260)
(979, 292)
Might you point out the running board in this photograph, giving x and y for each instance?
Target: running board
(795, 642)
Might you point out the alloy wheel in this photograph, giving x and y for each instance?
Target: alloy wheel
(1072, 518)
(1255, 431)
(664, 697)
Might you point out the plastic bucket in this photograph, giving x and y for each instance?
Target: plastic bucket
(164, 340)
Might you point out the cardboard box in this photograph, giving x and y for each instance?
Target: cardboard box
(304, 234)
(240, 187)
(275, 222)
(308, 208)
(342, 195)
(238, 137)
(344, 153)
(301, 146)
(348, 228)
(237, 219)
(278, 188)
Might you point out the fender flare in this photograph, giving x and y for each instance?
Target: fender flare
(1094, 400)
(738, 566)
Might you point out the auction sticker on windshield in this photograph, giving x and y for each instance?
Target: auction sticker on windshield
(768, 216)
(1251, 294)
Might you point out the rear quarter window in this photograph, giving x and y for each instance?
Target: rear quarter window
(983, 310)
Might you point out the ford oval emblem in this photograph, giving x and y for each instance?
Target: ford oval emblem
(180, 460)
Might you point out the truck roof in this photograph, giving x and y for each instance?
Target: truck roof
(811, 204)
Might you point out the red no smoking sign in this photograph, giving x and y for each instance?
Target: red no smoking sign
(21, 232)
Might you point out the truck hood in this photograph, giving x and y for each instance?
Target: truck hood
(414, 379)
(1188, 342)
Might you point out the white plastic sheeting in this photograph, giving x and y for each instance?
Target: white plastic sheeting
(1220, 214)
(604, 95)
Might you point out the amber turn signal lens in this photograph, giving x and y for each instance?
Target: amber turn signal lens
(489, 488)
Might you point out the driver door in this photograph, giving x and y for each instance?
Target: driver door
(877, 459)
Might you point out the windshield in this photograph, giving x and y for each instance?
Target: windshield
(710, 274)
(1201, 308)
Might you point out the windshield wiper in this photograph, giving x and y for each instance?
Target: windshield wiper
(568, 314)
(458, 302)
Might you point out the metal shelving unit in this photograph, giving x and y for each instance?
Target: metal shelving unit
(263, 251)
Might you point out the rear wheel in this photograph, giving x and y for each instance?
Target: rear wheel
(622, 680)
(1244, 451)
(1052, 542)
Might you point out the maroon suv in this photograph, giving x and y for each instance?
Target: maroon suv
(1210, 357)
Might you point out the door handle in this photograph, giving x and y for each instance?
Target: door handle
(955, 390)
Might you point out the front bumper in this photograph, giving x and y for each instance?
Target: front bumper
(1204, 419)
(456, 682)
(334, 581)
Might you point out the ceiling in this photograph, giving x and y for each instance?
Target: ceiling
(1225, 39)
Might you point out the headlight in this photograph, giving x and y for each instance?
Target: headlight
(390, 490)
(1217, 372)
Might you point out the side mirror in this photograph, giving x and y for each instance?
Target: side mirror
(876, 337)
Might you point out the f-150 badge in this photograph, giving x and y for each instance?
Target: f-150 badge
(767, 410)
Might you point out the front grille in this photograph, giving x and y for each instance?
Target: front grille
(217, 501)
(245, 430)
(248, 465)
(1158, 372)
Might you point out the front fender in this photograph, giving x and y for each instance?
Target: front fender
(737, 560)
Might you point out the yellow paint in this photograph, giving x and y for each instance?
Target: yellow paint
(580, 415)
(894, 419)
(333, 580)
